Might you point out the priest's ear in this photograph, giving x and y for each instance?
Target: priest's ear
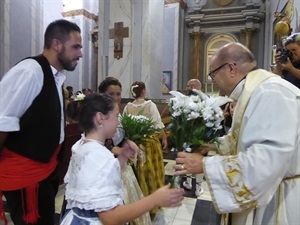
(232, 66)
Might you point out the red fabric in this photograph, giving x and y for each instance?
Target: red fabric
(2, 213)
(31, 212)
(18, 172)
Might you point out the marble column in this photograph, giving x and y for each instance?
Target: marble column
(152, 57)
(102, 40)
(15, 31)
(84, 15)
(5, 39)
(247, 35)
(121, 11)
(197, 63)
(142, 50)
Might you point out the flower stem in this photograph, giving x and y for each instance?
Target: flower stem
(176, 181)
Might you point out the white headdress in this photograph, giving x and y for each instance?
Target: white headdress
(132, 92)
(79, 97)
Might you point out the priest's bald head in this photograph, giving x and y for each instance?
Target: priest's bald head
(230, 65)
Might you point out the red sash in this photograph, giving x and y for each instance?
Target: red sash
(18, 172)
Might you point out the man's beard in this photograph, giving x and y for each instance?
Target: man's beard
(64, 62)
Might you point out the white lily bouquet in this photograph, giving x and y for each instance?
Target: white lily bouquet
(195, 120)
(138, 128)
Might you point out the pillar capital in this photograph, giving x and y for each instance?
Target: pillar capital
(196, 35)
(247, 37)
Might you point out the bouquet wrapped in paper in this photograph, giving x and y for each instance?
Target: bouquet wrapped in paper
(195, 120)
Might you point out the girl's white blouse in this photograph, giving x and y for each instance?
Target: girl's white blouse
(93, 180)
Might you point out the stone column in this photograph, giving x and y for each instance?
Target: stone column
(12, 47)
(102, 40)
(5, 37)
(247, 35)
(197, 51)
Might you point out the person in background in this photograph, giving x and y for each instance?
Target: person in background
(66, 94)
(256, 176)
(113, 87)
(86, 91)
(93, 181)
(67, 102)
(70, 90)
(226, 123)
(32, 125)
(194, 84)
(228, 115)
(150, 174)
(132, 190)
(288, 63)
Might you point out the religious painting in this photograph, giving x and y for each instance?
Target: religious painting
(166, 83)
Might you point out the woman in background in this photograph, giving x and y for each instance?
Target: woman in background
(132, 190)
(150, 171)
(288, 60)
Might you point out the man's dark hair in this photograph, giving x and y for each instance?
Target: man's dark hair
(59, 29)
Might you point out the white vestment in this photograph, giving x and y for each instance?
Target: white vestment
(257, 180)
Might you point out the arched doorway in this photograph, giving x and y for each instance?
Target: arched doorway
(213, 44)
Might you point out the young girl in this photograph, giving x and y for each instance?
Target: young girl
(132, 190)
(93, 181)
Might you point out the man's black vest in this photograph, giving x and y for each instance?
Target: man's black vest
(39, 133)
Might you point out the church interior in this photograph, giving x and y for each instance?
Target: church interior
(150, 41)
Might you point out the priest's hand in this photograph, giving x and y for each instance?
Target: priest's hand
(189, 163)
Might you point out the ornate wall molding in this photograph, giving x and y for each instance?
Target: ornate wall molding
(231, 19)
(242, 20)
(182, 3)
(79, 12)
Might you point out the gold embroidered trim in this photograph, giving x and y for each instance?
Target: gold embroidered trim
(241, 193)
